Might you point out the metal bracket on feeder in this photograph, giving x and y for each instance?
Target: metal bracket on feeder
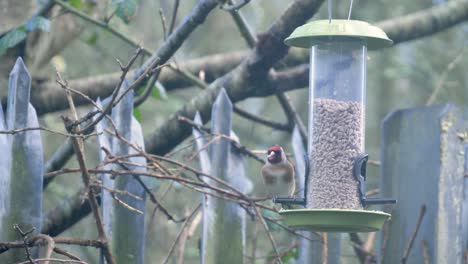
(299, 201)
(359, 172)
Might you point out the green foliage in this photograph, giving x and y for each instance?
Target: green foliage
(12, 38)
(291, 256)
(159, 92)
(137, 113)
(15, 36)
(270, 214)
(76, 3)
(124, 9)
(92, 39)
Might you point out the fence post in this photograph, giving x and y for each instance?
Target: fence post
(128, 239)
(311, 251)
(465, 199)
(205, 166)
(222, 218)
(4, 172)
(23, 181)
(235, 214)
(107, 182)
(423, 164)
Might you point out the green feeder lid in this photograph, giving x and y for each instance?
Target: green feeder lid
(334, 220)
(321, 31)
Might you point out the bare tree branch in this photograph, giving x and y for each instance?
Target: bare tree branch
(408, 248)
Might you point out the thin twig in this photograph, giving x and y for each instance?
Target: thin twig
(54, 260)
(50, 245)
(216, 179)
(182, 229)
(235, 144)
(358, 247)
(260, 120)
(368, 247)
(26, 129)
(243, 26)
(163, 23)
(66, 253)
(374, 162)
(5, 246)
(444, 76)
(201, 84)
(124, 204)
(407, 251)
(173, 17)
(293, 116)
(325, 248)
(270, 236)
(109, 106)
(110, 190)
(154, 200)
(372, 192)
(235, 7)
(148, 90)
(386, 236)
(100, 24)
(24, 235)
(78, 146)
(425, 251)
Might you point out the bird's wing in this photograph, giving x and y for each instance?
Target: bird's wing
(290, 177)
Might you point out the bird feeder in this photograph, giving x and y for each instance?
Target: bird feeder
(335, 191)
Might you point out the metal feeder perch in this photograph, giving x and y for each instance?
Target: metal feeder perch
(335, 191)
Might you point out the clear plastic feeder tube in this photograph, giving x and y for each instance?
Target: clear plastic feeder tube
(336, 121)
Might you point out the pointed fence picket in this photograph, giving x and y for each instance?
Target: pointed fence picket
(222, 219)
(22, 164)
(124, 227)
(205, 165)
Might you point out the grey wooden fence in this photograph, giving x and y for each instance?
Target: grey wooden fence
(21, 164)
(465, 198)
(222, 219)
(423, 164)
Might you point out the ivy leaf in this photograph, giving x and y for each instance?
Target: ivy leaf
(15, 36)
(270, 214)
(12, 38)
(159, 92)
(291, 255)
(137, 114)
(92, 39)
(38, 22)
(76, 3)
(124, 9)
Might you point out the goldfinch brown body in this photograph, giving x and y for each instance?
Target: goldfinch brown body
(278, 174)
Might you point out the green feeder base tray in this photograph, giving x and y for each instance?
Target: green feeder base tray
(334, 220)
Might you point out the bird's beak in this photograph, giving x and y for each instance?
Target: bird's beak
(271, 154)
